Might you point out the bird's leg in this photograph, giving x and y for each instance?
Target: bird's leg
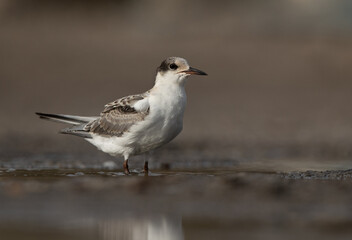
(125, 167)
(146, 158)
(146, 169)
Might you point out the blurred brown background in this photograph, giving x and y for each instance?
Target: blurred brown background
(279, 84)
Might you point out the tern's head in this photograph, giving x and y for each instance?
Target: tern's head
(176, 70)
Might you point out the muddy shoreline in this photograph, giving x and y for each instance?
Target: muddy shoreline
(193, 204)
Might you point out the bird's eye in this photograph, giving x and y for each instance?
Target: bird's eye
(173, 66)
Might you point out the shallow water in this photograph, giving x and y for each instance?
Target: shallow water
(182, 204)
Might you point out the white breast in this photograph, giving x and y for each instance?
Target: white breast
(164, 122)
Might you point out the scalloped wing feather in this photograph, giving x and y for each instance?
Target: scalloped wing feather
(118, 116)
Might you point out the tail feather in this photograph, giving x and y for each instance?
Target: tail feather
(78, 130)
(79, 123)
(71, 119)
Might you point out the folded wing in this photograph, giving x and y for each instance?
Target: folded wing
(119, 116)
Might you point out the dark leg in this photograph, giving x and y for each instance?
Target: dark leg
(147, 156)
(125, 167)
(146, 169)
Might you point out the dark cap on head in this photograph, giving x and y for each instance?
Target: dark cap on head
(178, 66)
(164, 66)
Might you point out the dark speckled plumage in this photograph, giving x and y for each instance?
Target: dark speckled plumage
(118, 117)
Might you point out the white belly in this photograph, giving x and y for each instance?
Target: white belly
(163, 123)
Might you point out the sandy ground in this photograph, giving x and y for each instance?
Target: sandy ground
(266, 148)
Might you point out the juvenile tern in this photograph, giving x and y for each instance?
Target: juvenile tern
(138, 123)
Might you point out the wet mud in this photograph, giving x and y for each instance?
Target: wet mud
(182, 204)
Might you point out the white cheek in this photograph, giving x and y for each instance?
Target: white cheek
(171, 78)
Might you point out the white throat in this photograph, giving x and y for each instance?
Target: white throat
(170, 78)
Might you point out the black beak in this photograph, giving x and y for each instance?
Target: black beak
(194, 71)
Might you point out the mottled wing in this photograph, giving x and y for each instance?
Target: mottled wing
(119, 116)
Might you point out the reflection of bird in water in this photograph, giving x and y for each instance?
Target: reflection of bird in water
(153, 228)
(138, 123)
